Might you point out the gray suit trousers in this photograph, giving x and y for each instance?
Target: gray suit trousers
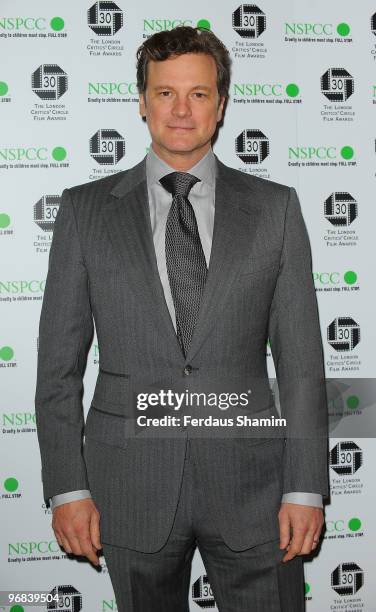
(252, 580)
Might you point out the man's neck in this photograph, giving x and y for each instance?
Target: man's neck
(181, 162)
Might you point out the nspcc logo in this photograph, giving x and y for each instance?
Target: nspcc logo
(31, 24)
(249, 21)
(45, 211)
(337, 84)
(107, 147)
(340, 208)
(32, 154)
(202, 593)
(49, 82)
(311, 30)
(343, 334)
(252, 146)
(346, 458)
(105, 18)
(347, 579)
(321, 153)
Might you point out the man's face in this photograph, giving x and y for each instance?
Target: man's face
(182, 105)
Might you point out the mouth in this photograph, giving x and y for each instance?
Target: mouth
(179, 127)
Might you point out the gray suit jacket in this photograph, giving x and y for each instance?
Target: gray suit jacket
(102, 265)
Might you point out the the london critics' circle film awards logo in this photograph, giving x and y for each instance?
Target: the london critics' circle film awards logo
(249, 21)
(337, 84)
(105, 18)
(343, 334)
(49, 82)
(373, 24)
(45, 211)
(340, 211)
(346, 458)
(202, 593)
(340, 208)
(347, 578)
(252, 146)
(66, 598)
(107, 147)
(373, 30)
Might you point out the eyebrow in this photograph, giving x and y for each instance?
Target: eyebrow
(160, 87)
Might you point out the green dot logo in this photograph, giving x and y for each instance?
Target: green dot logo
(59, 153)
(352, 402)
(204, 24)
(6, 353)
(11, 484)
(354, 524)
(4, 220)
(17, 608)
(3, 88)
(57, 24)
(307, 588)
(343, 29)
(292, 90)
(347, 152)
(350, 277)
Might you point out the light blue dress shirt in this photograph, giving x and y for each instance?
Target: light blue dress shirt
(202, 198)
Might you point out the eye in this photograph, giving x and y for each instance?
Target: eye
(200, 94)
(164, 94)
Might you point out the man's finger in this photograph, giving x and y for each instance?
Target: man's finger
(94, 531)
(65, 544)
(316, 538)
(308, 543)
(295, 545)
(58, 537)
(88, 550)
(284, 531)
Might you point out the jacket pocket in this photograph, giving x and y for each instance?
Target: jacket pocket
(112, 392)
(107, 428)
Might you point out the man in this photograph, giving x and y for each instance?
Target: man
(187, 267)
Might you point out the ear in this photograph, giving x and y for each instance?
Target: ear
(220, 108)
(142, 105)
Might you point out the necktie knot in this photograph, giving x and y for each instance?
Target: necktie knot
(179, 183)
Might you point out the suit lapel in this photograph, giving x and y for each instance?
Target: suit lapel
(129, 227)
(235, 223)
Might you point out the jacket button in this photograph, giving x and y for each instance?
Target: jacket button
(187, 370)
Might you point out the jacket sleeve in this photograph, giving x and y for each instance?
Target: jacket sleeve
(296, 345)
(65, 333)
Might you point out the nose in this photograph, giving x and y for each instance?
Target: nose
(181, 107)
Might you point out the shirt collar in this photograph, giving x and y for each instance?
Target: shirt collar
(204, 169)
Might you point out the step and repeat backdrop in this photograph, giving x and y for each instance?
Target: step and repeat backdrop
(302, 112)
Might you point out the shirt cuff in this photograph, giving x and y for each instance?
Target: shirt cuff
(70, 496)
(306, 499)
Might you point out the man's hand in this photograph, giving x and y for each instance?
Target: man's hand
(76, 527)
(304, 524)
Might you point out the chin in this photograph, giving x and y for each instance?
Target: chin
(180, 146)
